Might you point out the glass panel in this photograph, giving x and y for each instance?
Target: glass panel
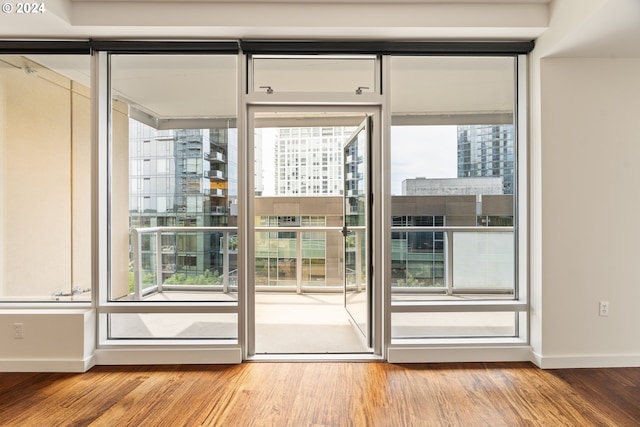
(45, 178)
(453, 325)
(314, 74)
(418, 260)
(356, 208)
(174, 150)
(452, 165)
(218, 326)
(483, 261)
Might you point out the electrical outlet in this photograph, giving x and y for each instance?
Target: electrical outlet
(604, 308)
(18, 330)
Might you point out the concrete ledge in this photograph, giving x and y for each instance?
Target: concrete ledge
(168, 356)
(458, 354)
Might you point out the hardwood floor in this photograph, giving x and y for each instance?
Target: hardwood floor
(323, 394)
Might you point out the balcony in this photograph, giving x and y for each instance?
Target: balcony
(218, 210)
(446, 281)
(149, 276)
(215, 157)
(214, 192)
(214, 174)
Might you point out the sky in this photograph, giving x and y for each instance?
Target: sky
(416, 151)
(422, 151)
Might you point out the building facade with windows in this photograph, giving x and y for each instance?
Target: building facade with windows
(485, 151)
(307, 160)
(179, 178)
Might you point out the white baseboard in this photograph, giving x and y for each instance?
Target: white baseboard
(590, 361)
(458, 354)
(168, 356)
(43, 365)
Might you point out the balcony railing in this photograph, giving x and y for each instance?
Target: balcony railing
(227, 245)
(215, 156)
(214, 174)
(466, 259)
(424, 260)
(297, 259)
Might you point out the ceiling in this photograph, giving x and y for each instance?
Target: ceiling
(371, 19)
(590, 28)
(610, 30)
(583, 28)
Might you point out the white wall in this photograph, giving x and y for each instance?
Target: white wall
(589, 149)
(58, 340)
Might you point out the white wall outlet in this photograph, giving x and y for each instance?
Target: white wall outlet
(18, 330)
(604, 308)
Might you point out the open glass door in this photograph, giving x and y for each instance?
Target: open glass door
(356, 199)
(297, 297)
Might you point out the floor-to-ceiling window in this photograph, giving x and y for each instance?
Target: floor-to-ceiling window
(455, 267)
(446, 231)
(172, 198)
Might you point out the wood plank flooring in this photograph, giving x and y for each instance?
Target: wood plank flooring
(323, 394)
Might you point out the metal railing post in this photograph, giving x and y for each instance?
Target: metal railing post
(137, 262)
(225, 262)
(159, 259)
(358, 262)
(449, 261)
(298, 262)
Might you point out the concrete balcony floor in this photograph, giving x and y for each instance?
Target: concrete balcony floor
(310, 323)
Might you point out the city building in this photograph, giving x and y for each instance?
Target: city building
(308, 160)
(463, 186)
(179, 178)
(487, 150)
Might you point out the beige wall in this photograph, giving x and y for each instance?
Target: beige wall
(44, 130)
(81, 182)
(120, 201)
(589, 149)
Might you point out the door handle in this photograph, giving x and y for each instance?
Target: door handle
(345, 231)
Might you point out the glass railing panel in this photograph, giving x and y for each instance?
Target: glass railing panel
(435, 262)
(187, 263)
(318, 251)
(417, 261)
(483, 261)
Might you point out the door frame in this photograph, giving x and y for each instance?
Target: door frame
(246, 296)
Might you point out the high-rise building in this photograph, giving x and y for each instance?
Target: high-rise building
(308, 161)
(179, 178)
(487, 150)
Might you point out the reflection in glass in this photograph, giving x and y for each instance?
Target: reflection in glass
(45, 178)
